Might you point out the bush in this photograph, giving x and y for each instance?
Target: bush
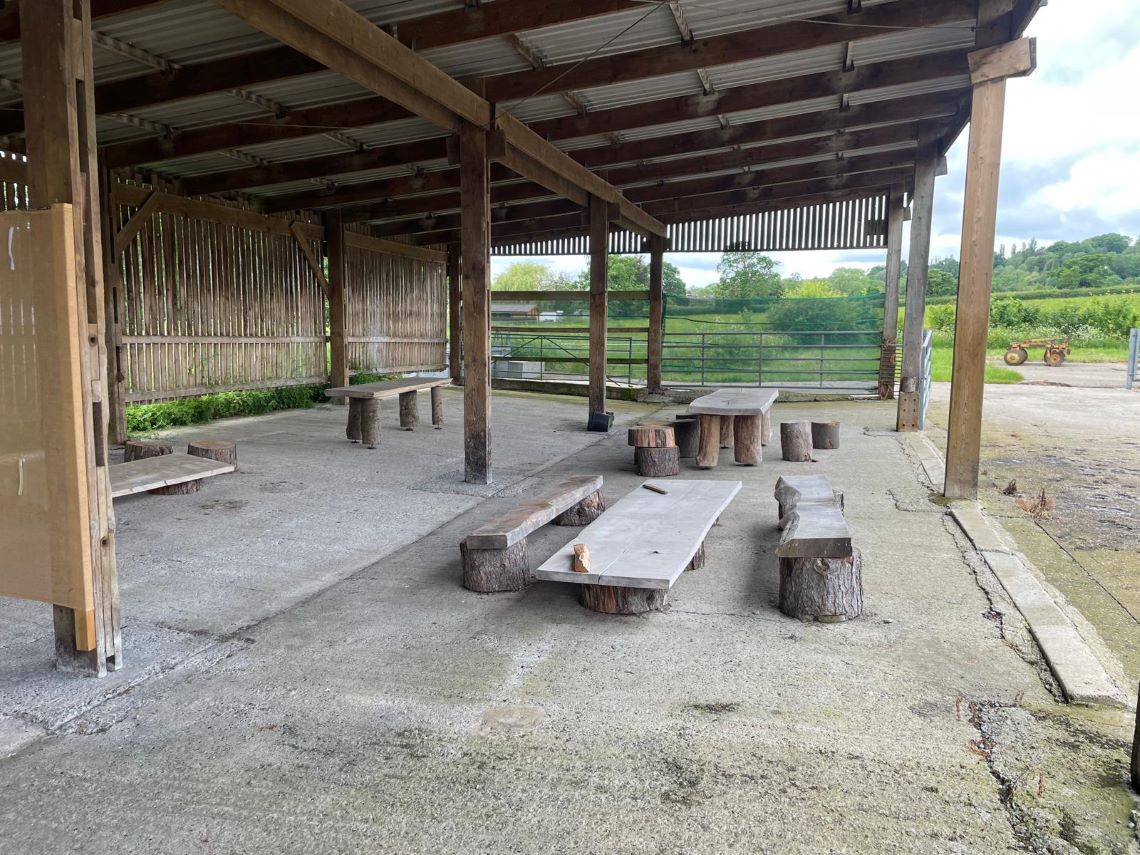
(1011, 312)
(941, 318)
(147, 418)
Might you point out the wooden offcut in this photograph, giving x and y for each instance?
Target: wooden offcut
(581, 563)
(795, 441)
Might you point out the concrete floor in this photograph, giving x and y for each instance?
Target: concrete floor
(304, 673)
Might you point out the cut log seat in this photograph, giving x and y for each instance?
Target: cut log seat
(152, 473)
(495, 554)
(640, 546)
(791, 490)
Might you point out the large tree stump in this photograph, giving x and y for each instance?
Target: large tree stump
(409, 414)
(370, 421)
(795, 441)
(612, 600)
(214, 449)
(726, 427)
(708, 449)
(489, 571)
(825, 434)
(583, 513)
(651, 435)
(746, 440)
(829, 590)
(142, 449)
(352, 431)
(437, 407)
(687, 434)
(657, 462)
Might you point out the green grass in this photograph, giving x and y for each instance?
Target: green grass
(943, 360)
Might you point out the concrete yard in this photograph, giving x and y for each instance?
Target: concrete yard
(305, 673)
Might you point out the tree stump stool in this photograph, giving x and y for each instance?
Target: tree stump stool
(726, 428)
(612, 600)
(409, 414)
(141, 449)
(655, 453)
(489, 571)
(214, 449)
(708, 449)
(829, 590)
(687, 434)
(747, 449)
(825, 434)
(437, 407)
(795, 441)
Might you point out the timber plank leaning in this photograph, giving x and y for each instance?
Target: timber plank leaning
(138, 476)
(364, 405)
(739, 417)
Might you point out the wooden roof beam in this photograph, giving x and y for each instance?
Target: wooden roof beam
(10, 14)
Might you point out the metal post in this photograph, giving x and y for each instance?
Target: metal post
(1133, 355)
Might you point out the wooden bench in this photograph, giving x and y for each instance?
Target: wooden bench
(736, 417)
(495, 554)
(641, 546)
(364, 405)
(150, 473)
(820, 570)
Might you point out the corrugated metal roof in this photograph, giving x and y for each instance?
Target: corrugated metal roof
(481, 58)
(635, 29)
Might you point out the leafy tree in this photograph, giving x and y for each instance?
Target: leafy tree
(949, 264)
(1111, 243)
(850, 281)
(747, 275)
(940, 283)
(525, 276)
(671, 282)
(1086, 270)
(631, 273)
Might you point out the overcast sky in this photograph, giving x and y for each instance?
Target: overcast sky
(1070, 156)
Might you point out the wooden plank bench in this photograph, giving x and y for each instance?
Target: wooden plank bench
(641, 546)
(495, 554)
(364, 405)
(821, 573)
(733, 417)
(150, 473)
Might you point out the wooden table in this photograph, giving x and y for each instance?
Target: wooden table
(364, 405)
(733, 417)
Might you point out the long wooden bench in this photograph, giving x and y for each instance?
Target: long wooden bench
(820, 570)
(138, 476)
(640, 547)
(737, 418)
(364, 405)
(495, 554)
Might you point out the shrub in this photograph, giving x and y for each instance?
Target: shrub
(1011, 312)
(941, 318)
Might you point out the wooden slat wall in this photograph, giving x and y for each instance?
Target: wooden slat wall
(395, 311)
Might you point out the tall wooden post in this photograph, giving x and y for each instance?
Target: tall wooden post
(656, 339)
(112, 310)
(895, 215)
(922, 214)
(989, 69)
(59, 122)
(454, 314)
(337, 276)
(599, 273)
(475, 226)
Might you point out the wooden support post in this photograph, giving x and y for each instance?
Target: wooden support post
(887, 359)
(922, 212)
(59, 122)
(988, 70)
(655, 344)
(112, 312)
(599, 272)
(454, 314)
(475, 199)
(337, 275)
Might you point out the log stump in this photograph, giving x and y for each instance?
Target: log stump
(687, 434)
(220, 450)
(657, 462)
(409, 414)
(698, 559)
(795, 441)
(142, 449)
(583, 513)
(726, 428)
(353, 429)
(369, 421)
(489, 571)
(829, 590)
(437, 407)
(825, 434)
(612, 600)
(708, 448)
(746, 440)
(651, 435)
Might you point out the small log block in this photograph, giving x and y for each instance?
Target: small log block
(726, 427)
(746, 440)
(825, 434)
(708, 448)
(141, 449)
(698, 559)
(489, 571)
(651, 435)
(437, 407)
(657, 462)
(765, 427)
(409, 415)
(583, 513)
(352, 431)
(612, 600)
(581, 558)
(214, 449)
(829, 590)
(795, 441)
(370, 421)
(687, 434)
